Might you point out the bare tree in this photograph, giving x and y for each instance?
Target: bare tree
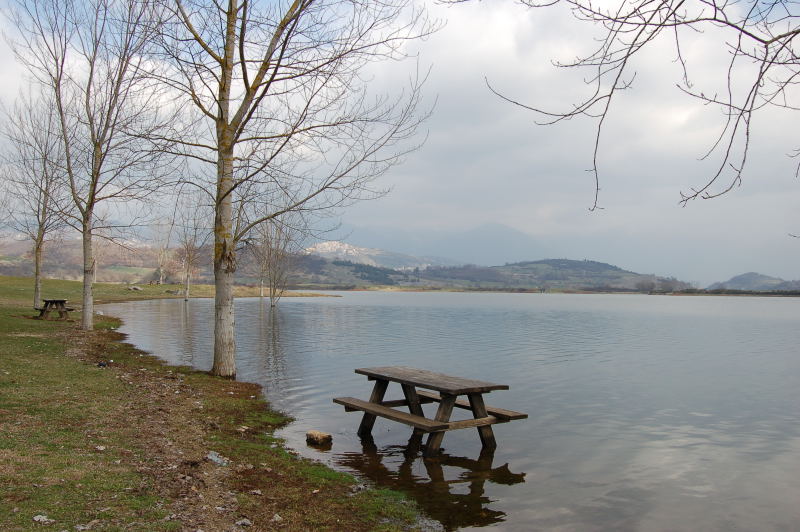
(759, 39)
(193, 232)
(274, 244)
(90, 58)
(162, 232)
(33, 172)
(281, 110)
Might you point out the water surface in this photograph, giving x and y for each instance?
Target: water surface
(646, 412)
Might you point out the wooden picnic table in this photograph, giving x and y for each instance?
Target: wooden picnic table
(54, 305)
(415, 383)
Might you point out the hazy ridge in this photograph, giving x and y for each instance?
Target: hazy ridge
(342, 265)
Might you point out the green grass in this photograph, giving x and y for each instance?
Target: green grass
(68, 451)
(52, 413)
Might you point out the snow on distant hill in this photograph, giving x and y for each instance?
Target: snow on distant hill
(374, 257)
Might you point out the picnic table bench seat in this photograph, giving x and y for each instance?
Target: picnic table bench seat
(418, 422)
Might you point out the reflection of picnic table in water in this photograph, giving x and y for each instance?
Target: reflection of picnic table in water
(455, 502)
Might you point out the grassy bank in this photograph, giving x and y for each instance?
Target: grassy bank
(97, 435)
(18, 291)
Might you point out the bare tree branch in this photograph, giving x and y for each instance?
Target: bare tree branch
(760, 38)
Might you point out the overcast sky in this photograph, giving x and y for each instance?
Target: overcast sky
(486, 161)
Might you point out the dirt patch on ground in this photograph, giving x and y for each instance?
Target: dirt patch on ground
(170, 436)
(205, 444)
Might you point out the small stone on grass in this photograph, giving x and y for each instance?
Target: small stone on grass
(43, 519)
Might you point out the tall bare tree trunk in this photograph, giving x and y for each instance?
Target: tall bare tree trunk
(186, 281)
(224, 238)
(224, 269)
(87, 317)
(37, 269)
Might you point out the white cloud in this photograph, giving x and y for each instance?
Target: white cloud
(487, 161)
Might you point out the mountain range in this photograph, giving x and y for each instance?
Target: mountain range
(339, 264)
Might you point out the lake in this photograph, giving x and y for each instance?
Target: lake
(646, 412)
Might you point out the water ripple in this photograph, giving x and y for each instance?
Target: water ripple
(646, 413)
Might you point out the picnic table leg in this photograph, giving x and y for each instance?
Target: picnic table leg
(368, 421)
(479, 411)
(414, 406)
(442, 414)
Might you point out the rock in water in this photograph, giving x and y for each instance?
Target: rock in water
(316, 437)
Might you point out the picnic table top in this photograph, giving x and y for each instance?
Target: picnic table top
(54, 300)
(430, 380)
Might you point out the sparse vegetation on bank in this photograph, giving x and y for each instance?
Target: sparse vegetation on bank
(94, 433)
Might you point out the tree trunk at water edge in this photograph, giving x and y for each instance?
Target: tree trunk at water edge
(37, 272)
(186, 282)
(87, 315)
(224, 269)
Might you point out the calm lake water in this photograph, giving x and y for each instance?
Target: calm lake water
(646, 412)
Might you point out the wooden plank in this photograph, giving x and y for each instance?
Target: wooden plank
(394, 403)
(500, 413)
(412, 398)
(403, 402)
(429, 379)
(368, 421)
(472, 423)
(424, 424)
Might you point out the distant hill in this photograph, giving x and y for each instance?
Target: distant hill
(345, 266)
(551, 274)
(756, 282)
(129, 262)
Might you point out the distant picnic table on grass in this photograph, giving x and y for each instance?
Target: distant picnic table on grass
(54, 305)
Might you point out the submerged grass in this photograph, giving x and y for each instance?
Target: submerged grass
(125, 445)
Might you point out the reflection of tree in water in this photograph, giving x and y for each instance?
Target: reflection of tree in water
(187, 334)
(433, 493)
(270, 354)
